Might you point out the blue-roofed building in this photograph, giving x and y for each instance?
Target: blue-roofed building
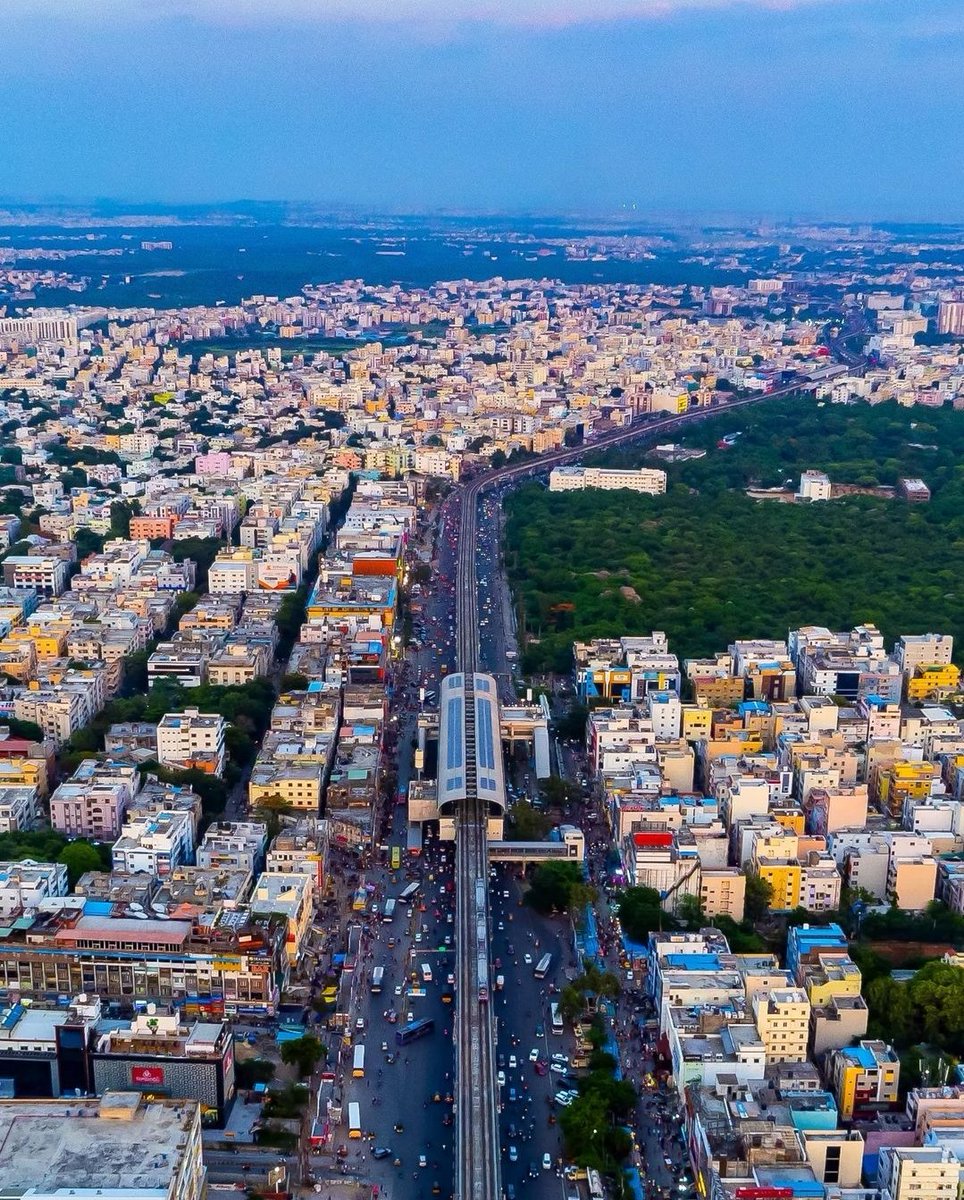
(865, 1076)
(805, 943)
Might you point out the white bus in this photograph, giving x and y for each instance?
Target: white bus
(426, 973)
(556, 1018)
(377, 976)
(354, 1120)
(408, 892)
(358, 1063)
(389, 914)
(542, 966)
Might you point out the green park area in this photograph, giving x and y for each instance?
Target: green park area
(708, 564)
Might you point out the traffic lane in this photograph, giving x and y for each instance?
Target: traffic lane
(521, 1007)
(405, 1089)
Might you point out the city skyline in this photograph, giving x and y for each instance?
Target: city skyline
(794, 108)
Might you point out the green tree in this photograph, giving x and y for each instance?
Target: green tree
(572, 1002)
(689, 912)
(28, 730)
(250, 1071)
(79, 857)
(759, 896)
(293, 681)
(88, 542)
(640, 913)
(303, 1053)
(120, 519)
(526, 823)
(552, 886)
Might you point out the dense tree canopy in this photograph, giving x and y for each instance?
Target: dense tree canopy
(708, 564)
(557, 885)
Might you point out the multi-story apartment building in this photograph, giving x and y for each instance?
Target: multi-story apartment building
(23, 885)
(918, 1173)
(92, 803)
(782, 1018)
(863, 1076)
(192, 739)
(156, 844)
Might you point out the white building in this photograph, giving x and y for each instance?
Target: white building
(192, 739)
(155, 844)
(649, 480)
(814, 485)
(25, 884)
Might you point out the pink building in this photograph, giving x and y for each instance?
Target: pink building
(92, 803)
(218, 462)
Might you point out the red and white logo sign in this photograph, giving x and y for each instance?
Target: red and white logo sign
(151, 1075)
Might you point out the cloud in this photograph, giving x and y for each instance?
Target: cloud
(534, 13)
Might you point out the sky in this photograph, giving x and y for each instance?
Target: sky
(836, 108)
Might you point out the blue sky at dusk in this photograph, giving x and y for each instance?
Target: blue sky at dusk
(792, 107)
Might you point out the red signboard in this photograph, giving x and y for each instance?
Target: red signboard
(763, 1193)
(151, 1075)
(653, 839)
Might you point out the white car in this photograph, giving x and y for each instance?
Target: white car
(512, 1062)
(398, 989)
(564, 1099)
(527, 959)
(533, 1055)
(559, 1068)
(500, 1079)
(546, 1162)
(561, 1058)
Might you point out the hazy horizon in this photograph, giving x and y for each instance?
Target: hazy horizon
(821, 109)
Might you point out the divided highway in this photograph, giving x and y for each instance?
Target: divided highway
(478, 1164)
(478, 1161)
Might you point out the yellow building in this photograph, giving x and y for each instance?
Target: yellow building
(864, 1075)
(933, 682)
(791, 818)
(49, 641)
(696, 723)
(831, 977)
(24, 772)
(782, 1018)
(286, 894)
(783, 876)
(901, 780)
(735, 741)
(718, 691)
(286, 785)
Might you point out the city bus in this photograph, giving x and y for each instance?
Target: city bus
(389, 914)
(542, 966)
(396, 857)
(408, 892)
(354, 1120)
(377, 976)
(359, 900)
(556, 1018)
(414, 1030)
(358, 1063)
(426, 973)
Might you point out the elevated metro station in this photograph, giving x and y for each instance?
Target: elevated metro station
(496, 726)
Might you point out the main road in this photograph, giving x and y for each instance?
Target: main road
(478, 1162)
